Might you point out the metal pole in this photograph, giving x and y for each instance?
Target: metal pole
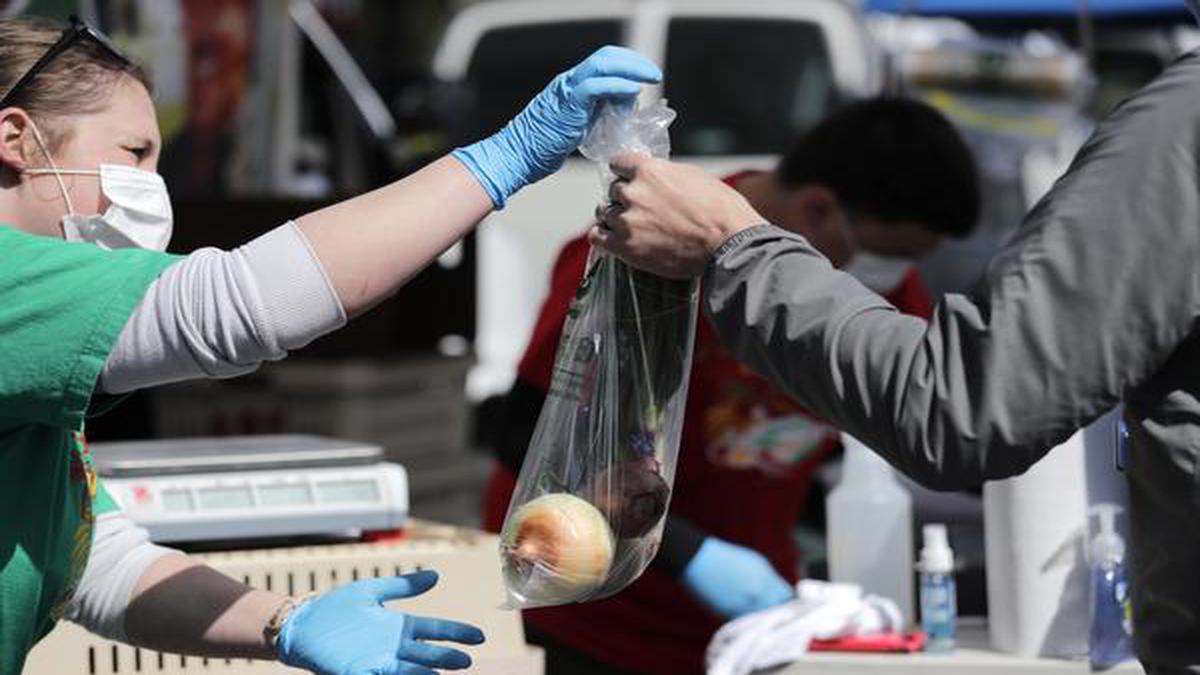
(1087, 32)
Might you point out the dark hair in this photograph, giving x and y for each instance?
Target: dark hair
(891, 159)
(77, 82)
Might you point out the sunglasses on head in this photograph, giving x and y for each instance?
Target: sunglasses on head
(76, 31)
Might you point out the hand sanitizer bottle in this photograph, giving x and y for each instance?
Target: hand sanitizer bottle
(1110, 638)
(939, 604)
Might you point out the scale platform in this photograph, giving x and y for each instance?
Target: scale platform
(253, 487)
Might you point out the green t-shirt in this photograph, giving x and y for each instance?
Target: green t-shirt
(62, 306)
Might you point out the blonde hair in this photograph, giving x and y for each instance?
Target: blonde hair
(77, 82)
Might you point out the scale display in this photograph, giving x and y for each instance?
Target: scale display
(285, 495)
(339, 492)
(226, 498)
(178, 500)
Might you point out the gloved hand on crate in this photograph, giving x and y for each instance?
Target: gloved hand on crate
(537, 141)
(733, 580)
(348, 632)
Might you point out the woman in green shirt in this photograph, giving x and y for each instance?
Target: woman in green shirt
(107, 312)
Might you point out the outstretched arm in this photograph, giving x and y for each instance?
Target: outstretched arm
(219, 314)
(1088, 302)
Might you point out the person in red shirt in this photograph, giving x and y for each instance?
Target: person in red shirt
(875, 186)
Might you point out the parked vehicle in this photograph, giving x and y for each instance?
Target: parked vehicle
(804, 57)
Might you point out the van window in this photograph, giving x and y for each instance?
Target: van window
(511, 65)
(745, 86)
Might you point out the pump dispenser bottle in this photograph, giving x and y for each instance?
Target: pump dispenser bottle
(939, 600)
(869, 528)
(1110, 636)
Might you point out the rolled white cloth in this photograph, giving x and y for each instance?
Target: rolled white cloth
(780, 635)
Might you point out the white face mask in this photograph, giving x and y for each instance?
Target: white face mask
(879, 273)
(139, 212)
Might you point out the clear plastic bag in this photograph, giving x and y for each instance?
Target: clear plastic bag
(587, 514)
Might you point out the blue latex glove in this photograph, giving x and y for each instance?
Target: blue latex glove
(348, 632)
(734, 580)
(537, 141)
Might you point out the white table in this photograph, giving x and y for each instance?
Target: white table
(974, 656)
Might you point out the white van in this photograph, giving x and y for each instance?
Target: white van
(746, 77)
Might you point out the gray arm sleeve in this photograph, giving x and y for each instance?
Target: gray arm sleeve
(1090, 299)
(121, 553)
(222, 313)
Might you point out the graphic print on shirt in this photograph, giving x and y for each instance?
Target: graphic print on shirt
(752, 428)
(83, 484)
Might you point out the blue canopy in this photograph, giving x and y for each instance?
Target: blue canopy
(1029, 8)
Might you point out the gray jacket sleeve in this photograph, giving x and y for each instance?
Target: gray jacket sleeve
(1089, 300)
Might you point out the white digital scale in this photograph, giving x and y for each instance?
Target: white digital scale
(250, 487)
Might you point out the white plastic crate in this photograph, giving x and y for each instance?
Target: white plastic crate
(470, 589)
